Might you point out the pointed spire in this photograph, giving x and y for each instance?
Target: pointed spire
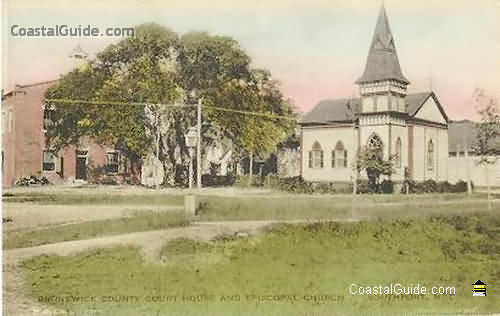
(382, 62)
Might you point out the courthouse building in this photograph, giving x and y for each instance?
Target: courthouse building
(25, 152)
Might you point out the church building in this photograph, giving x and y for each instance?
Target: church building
(412, 128)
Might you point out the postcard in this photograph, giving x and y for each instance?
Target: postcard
(222, 158)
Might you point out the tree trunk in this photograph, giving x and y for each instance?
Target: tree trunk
(251, 164)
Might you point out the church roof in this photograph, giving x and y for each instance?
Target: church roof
(333, 110)
(415, 101)
(382, 62)
(343, 110)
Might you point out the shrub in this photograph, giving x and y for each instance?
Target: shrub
(364, 187)
(32, 180)
(345, 188)
(429, 186)
(323, 187)
(295, 185)
(387, 187)
(215, 180)
(408, 185)
(444, 187)
(107, 181)
(248, 181)
(460, 187)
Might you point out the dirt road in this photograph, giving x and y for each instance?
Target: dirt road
(16, 303)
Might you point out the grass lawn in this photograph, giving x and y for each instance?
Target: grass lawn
(94, 198)
(290, 207)
(222, 208)
(142, 221)
(289, 270)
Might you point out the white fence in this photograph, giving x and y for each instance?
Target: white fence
(480, 175)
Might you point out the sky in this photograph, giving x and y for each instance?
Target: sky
(316, 48)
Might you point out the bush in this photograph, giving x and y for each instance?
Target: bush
(461, 186)
(295, 185)
(323, 187)
(211, 181)
(107, 181)
(244, 181)
(429, 186)
(444, 187)
(409, 186)
(364, 187)
(387, 187)
(32, 180)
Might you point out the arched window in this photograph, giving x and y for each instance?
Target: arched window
(339, 156)
(374, 142)
(316, 156)
(399, 150)
(430, 156)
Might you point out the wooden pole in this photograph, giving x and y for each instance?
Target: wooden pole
(198, 145)
(489, 185)
(251, 169)
(467, 166)
(191, 168)
(355, 174)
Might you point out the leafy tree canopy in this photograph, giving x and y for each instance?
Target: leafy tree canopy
(371, 159)
(157, 66)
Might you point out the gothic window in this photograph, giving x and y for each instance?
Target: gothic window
(316, 156)
(430, 156)
(374, 142)
(399, 149)
(339, 156)
(112, 162)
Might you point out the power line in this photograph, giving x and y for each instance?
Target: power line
(71, 101)
(267, 115)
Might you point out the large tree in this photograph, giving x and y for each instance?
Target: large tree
(128, 82)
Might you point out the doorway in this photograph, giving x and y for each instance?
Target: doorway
(81, 165)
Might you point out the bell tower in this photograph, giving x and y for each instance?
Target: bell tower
(382, 86)
(78, 58)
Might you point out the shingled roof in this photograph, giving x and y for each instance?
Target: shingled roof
(344, 110)
(382, 62)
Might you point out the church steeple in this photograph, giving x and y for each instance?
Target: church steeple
(382, 86)
(382, 62)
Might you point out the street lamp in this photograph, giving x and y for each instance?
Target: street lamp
(191, 141)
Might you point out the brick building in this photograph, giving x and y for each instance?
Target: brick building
(25, 152)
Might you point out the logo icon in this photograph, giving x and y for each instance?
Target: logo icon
(479, 288)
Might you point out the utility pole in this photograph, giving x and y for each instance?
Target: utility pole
(158, 133)
(467, 165)
(198, 145)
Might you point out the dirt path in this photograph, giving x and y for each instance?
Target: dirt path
(16, 303)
